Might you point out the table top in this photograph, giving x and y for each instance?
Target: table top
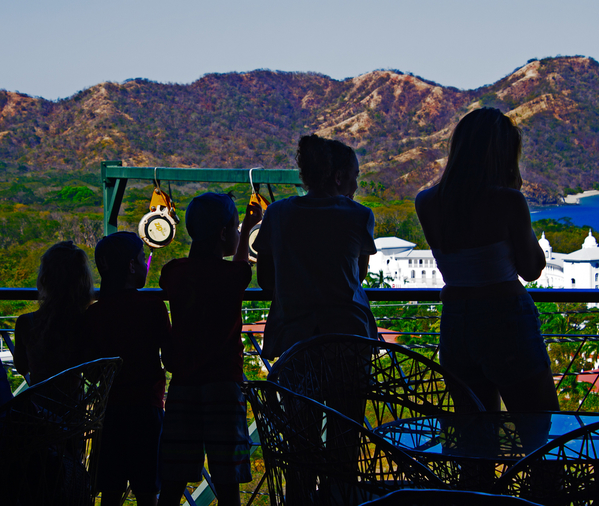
(493, 436)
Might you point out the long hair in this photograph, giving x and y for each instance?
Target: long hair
(319, 160)
(65, 286)
(484, 152)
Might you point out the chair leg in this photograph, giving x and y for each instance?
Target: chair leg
(256, 490)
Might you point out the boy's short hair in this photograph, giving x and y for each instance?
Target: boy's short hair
(113, 254)
(207, 214)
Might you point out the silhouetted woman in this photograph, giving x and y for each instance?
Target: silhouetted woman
(478, 226)
(313, 251)
(50, 339)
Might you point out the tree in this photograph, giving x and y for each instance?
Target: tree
(377, 280)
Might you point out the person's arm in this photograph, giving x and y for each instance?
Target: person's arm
(253, 215)
(368, 247)
(363, 266)
(20, 355)
(428, 212)
(530, 259)
(265, 263)
(164, 335)
(266, 271)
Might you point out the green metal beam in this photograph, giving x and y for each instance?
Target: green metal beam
(115, 170)
(113, 190)
(115, 177)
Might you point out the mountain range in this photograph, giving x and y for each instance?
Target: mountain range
(398, 123)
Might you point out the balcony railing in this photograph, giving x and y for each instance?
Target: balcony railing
(411, 317)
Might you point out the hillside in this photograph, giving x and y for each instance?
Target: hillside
(399, 124)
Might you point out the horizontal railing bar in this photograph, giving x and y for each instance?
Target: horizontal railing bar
(374, 294)
(208, 175)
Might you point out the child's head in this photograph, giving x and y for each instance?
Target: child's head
(212, 222)
(64, 278)
(120, 260)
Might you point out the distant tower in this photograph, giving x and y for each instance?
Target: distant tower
(590, 241)
(545, 246)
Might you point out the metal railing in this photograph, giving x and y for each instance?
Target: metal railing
(411, 317)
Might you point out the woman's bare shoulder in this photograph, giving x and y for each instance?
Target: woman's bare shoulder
(25, 321)
(425, 197)
(511, 199)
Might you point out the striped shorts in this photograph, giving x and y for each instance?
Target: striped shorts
(210, 418)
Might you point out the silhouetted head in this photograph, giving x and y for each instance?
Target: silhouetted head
(64, 280)
(484, 153)
(212, 222)
(325, 164)
(120, 260)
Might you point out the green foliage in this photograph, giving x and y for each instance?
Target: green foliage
(412, 318)
(573, 191)
(377, 280)
(73, 197)
(14, 379)
(18, 193)
(252, 366)
(395, 218)
(563, 236)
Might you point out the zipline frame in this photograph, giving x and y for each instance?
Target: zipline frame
(115, 177)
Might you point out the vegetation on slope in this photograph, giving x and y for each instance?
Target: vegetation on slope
(398, 123)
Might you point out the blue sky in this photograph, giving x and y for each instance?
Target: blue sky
(54, 49)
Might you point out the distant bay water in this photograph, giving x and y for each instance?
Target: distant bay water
(586, 213)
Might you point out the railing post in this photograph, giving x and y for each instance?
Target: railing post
(113, 190)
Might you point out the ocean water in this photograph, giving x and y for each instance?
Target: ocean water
(585, 214)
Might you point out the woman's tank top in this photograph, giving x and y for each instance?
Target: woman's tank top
(482, 266)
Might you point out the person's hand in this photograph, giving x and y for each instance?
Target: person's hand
(253, 215)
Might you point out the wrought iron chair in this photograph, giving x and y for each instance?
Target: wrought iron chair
(563, 471)
(315, 455)
(49, 437)
(410, 497)
(359, 376)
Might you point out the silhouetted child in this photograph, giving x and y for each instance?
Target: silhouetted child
(51, 339)
(313, 252)
(205, 408)
(134, 326)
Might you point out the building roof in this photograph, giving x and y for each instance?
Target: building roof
(418, 253)
(544, 243)
(556, 259)
(394, 243)
(583, 255)
(590, 241)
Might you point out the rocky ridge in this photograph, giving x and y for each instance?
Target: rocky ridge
(399, 124)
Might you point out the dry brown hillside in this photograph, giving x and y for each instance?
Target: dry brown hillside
(398, 123)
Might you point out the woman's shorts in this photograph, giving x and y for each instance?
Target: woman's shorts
(495, 339)
(210, 417)
(129, 450)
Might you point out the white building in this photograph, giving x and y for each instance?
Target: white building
(553, 274)
(403, 266)
(581, 268)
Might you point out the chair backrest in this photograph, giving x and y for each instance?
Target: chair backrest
(358, 376)
(409, 497)
(563, 471)
(49, 436)
(315, 455)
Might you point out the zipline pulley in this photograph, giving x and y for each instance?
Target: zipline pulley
(157, 228)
